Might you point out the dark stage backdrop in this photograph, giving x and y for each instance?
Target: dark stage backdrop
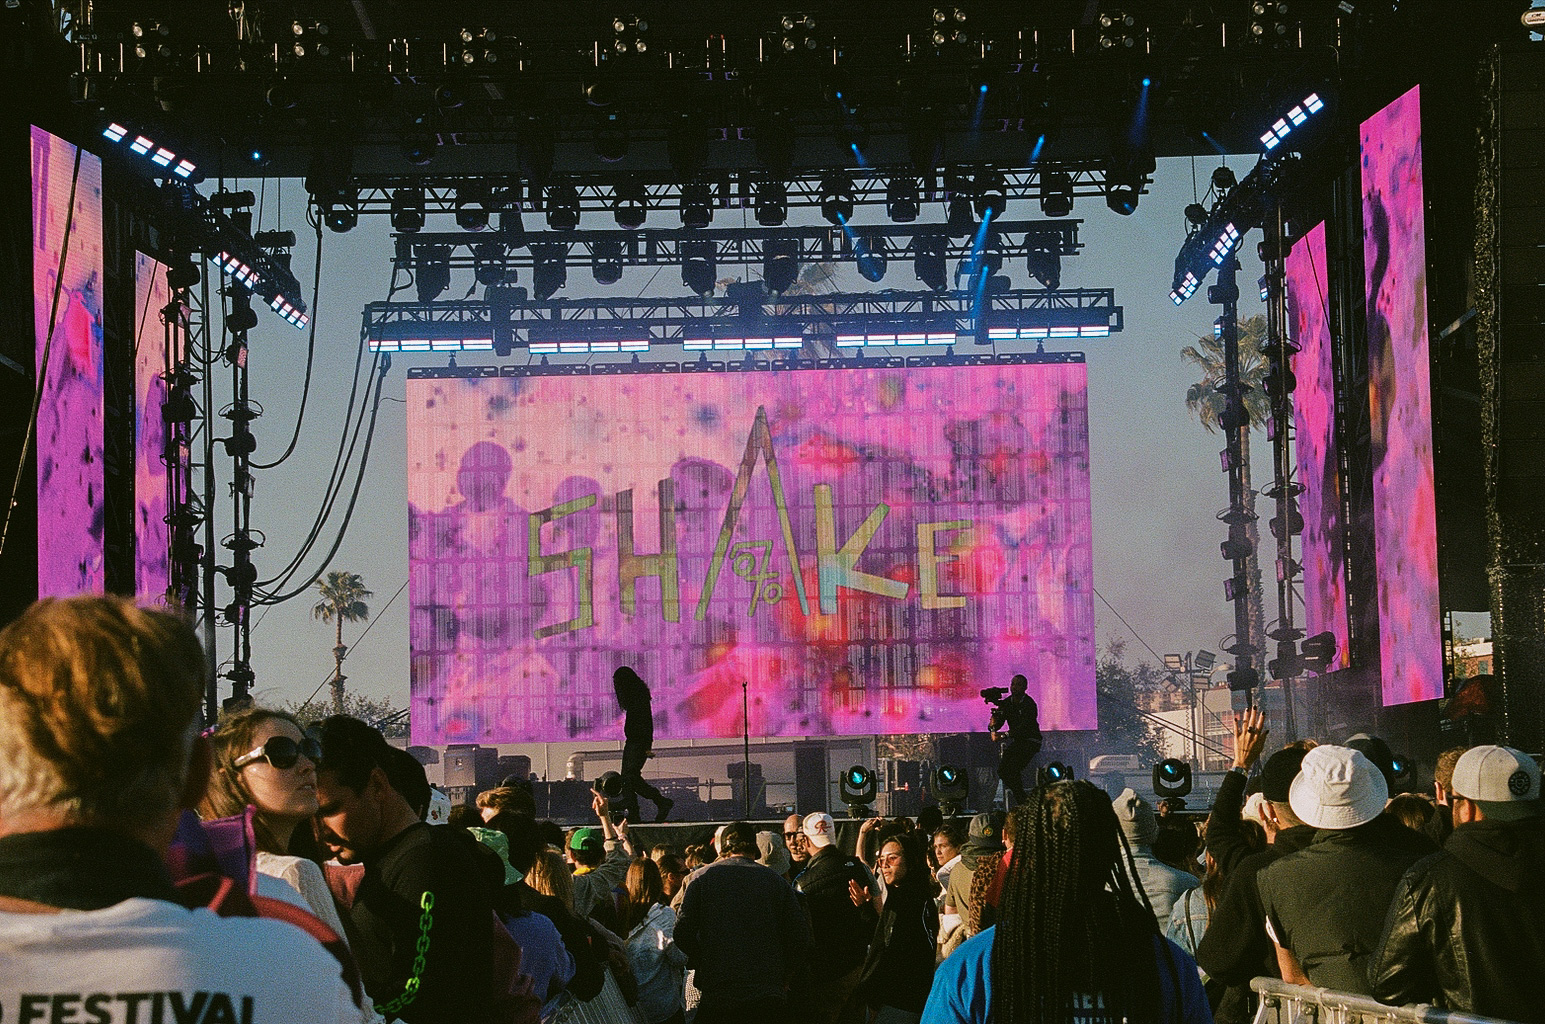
(1319, 464)
(1400, 400)
(867, 548)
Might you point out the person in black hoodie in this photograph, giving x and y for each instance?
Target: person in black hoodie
(1466, 929)
(898, 971)
(638, 744)
(1235, 949)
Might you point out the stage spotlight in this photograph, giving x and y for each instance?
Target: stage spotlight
(562, 207)
(1245, 678)
(1289, 520)
(772, 203)
(1196, 215)
(837, 198)
(857, 787)
(1121, 191)
(1319, 651)
(1055, 771)
(606, 261)
(959, 223)
(408, 209)
(1056, 193)
(471, 208)
(630, 205)
(431, 270)
(869, 253)
(1171, 777)
(242, 317)
(340, 211)
(901, 200)
(698, 266)
(928, 261)
(180, 276)
(696, 204)
(951, 788)
(419, 150)
(1045, 266)
(991, 194)
(780, 264)
(1118, 31)
(488, 263)
(549, 269)
(1223, 179)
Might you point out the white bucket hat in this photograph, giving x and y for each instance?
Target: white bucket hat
(1337, 788)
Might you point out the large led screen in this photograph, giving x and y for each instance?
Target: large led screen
(866, 549)
(69, 430)
(152, 541)
(1400, 397)
(1314, 416)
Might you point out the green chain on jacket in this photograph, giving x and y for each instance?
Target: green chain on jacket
(426, 921)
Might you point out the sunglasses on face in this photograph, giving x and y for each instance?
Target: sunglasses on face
(791, 835)
(282, 752)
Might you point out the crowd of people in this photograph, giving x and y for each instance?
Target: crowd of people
(312, 886)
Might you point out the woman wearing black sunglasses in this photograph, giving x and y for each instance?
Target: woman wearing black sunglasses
(264, 759)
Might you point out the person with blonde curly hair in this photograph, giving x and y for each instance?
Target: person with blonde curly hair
(264, 760)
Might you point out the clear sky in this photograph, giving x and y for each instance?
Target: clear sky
(1156, 480)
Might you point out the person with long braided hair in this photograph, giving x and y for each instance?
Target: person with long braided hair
(1076, 941)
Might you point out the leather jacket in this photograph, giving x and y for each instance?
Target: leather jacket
(1466, 930)
(841, 930)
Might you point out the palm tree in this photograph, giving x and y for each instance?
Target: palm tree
(343, 600)
(1205, 401)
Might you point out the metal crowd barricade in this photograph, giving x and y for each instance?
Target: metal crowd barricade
(1282, 1003)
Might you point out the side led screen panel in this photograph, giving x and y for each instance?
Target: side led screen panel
(151, 533)
(69, 432)
(865, 548)
(1314, 415)
(1400, 398)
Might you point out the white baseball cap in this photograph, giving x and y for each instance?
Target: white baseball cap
(820, 829)
(1337, 788)
(1504, 781)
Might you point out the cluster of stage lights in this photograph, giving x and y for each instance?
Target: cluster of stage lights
(1300, 113)
(243, 274)
(158, 155)
(1043, 333)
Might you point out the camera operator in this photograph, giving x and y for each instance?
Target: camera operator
(1017, 713)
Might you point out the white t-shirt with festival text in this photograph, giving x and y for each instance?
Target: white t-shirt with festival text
(147, 961)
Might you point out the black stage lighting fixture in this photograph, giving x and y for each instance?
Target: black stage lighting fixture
(928, 261)
(696, 204)
(431, 270)
(1319, 651)
(630, 205)
(606, 261)
(772, 203)
(408, 209)
(1055, 771)
(991, 194)
(698, 266)
(1121, 191)
(1244, 678)
(562, 207)
(488, 263)
(340, 211)
(857, 787)
(471, 208)
(549, 269)
(182, 275)
(609, 785)
(1045, 266)
(419, 150)
(1056, 193)
(1223, 179)
(837, 198)
(901, 199)
(242, 317)
(1171, 777)
(951, 788)
(780, 264)
(869, 253)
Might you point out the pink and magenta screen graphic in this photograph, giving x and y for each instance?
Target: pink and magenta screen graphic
(864, 548)
(152, 541)
(1400, 400)
(71, 517)
(1314, 415)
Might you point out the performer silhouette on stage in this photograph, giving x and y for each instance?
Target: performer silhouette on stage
(638, 733)
(1018, 713)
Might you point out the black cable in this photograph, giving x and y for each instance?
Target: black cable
(48, 346)
(348, 513)
(311, 347)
